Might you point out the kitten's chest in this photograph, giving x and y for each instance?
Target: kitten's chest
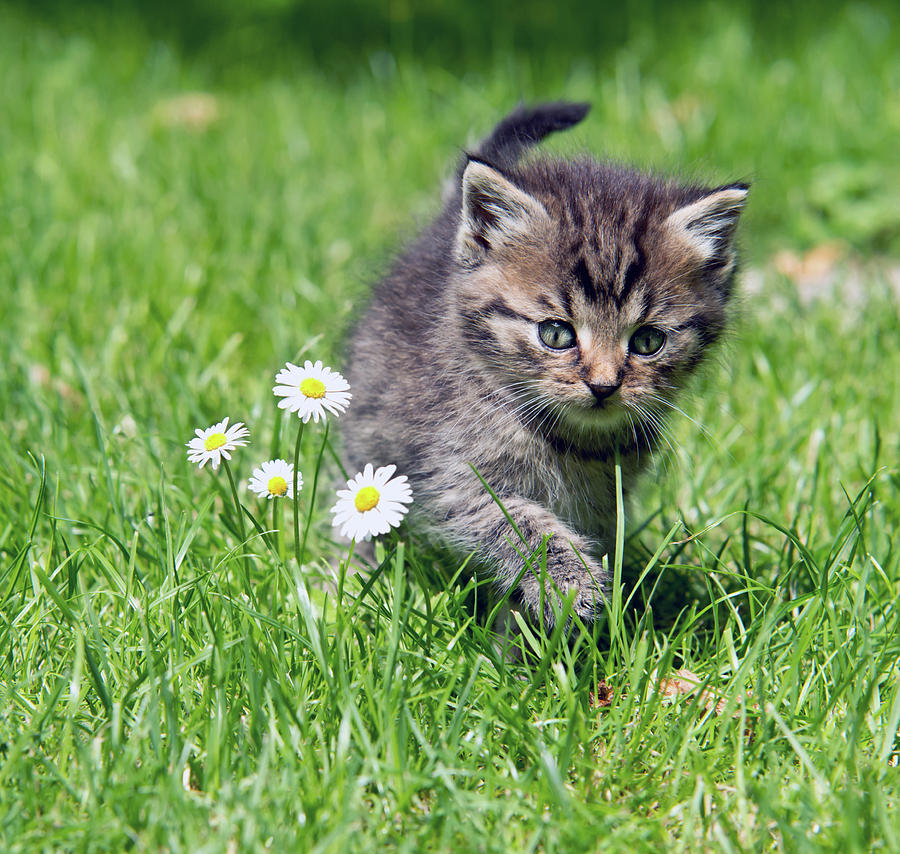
(578, 487)
(587, 500)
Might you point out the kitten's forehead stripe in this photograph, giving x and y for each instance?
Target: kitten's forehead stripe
(608, 241)
(632, 274)
(582, 277)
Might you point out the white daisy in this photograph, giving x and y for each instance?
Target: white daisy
(274, 479)
(215, 442)
(372, 504)
(311, 390)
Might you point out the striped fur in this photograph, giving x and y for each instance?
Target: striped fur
(450, 374)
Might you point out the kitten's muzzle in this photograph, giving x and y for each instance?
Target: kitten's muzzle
(601, 392)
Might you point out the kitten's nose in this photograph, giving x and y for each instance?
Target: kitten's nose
(601, 392)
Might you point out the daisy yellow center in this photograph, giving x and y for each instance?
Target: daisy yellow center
(366, 498)
(277, 485)
(214, 441)
(311, 387)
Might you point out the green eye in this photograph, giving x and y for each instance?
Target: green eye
(647, 341)
(556, 334)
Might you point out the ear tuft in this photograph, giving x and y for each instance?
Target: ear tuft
(495, 212)
(707, 225)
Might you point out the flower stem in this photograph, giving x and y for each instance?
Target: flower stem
(240, 521)
(276, 529)
(344, 566)
(312, 497)
(297, 496)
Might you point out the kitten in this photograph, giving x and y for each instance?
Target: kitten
(541, 325)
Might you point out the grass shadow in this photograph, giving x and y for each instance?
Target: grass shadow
(465, 34)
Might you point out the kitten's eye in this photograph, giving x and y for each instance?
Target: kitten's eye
(647, 341)
(556, 334)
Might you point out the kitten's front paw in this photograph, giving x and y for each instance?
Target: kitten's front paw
(569, 568)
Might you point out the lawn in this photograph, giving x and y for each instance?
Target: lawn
(191, 198)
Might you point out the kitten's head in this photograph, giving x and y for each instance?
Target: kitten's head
(590, 293)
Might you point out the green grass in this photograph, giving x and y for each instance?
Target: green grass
(155, 277)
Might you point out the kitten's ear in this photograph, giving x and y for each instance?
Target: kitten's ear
(707, 225)
(495, 212)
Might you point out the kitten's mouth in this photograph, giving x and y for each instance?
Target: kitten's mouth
(600, 414)
(605, 405)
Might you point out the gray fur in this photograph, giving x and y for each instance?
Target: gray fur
(449, 372)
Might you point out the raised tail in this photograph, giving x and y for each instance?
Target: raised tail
(527, 126)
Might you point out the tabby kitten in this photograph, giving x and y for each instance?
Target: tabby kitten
(542, 324)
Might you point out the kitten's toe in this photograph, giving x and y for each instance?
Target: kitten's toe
(589, 603)
(570, 576)
(576, 571)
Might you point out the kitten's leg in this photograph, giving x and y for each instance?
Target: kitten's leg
(484, 528)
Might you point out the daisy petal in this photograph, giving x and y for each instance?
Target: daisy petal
(372, 504)
(312, 391)
(216, 443)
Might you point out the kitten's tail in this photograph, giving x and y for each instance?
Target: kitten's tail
(527, 126)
